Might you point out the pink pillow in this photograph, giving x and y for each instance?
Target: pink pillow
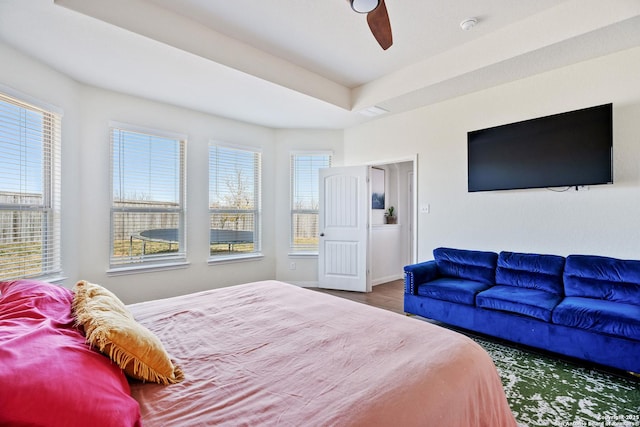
(49, 375)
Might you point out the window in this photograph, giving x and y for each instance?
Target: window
(305, 199)
(29, 191)
(148, 190)
(234, 201)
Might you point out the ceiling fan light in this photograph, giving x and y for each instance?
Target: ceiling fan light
(364, 6)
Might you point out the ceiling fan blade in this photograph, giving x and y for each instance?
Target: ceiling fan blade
(378, 20)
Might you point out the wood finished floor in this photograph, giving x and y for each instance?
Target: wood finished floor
(387, 296)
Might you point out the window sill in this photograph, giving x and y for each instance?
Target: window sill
(302, 254)
(234, 258)
(58, 280)
(147, 268)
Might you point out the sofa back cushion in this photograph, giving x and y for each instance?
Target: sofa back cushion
(466, 264)
(533, 271)
(604, 278)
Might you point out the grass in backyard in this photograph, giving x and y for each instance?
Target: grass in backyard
(21, 259)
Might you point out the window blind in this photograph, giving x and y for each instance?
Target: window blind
(148, 191)
(234, 200)
(29, 191)
(305, 199)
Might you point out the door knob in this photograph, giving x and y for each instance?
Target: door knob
(321, 234)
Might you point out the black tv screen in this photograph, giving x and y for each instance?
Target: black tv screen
(567, 149)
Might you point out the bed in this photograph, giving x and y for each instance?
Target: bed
(270, 353)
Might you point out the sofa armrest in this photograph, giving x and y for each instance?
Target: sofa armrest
(416, 274)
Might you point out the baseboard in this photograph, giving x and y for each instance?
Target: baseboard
(387, 279)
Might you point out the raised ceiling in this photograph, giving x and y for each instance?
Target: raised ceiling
(310, 63)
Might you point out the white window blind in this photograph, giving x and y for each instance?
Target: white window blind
(234, 201)
(148, 209)
(29, 191)
(305, 199)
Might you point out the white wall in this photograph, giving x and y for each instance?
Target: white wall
(99, 107)
(86, 183)
(599, 221)
(603, 220)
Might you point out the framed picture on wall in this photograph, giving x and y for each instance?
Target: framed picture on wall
(377, 188)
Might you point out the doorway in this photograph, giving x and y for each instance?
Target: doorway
(358, 247)
(392, 245)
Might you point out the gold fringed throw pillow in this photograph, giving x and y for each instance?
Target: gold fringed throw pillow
(111, 328)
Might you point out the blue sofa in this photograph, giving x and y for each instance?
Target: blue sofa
(582, 306)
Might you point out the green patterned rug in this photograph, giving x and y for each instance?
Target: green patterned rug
(543, 391)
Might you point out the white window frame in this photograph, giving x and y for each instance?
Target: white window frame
(294, 249)
(256, 212)
(48, 265)
(143, 262)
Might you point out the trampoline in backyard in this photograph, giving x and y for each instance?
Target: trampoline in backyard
(170, 236)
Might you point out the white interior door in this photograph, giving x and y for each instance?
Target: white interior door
(343, 252)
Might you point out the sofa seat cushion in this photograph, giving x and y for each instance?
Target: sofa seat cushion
(598, 315)
(528, 302)
(533, 271)
(460, 291)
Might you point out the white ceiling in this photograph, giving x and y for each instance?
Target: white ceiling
(310, 63)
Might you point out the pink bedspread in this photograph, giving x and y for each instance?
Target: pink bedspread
(269, 353)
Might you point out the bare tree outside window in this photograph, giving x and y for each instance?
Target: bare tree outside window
(234, 201)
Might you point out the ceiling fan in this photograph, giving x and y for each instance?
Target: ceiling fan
(377, 18)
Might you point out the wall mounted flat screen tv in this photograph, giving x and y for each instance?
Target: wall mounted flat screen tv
(562, 150)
